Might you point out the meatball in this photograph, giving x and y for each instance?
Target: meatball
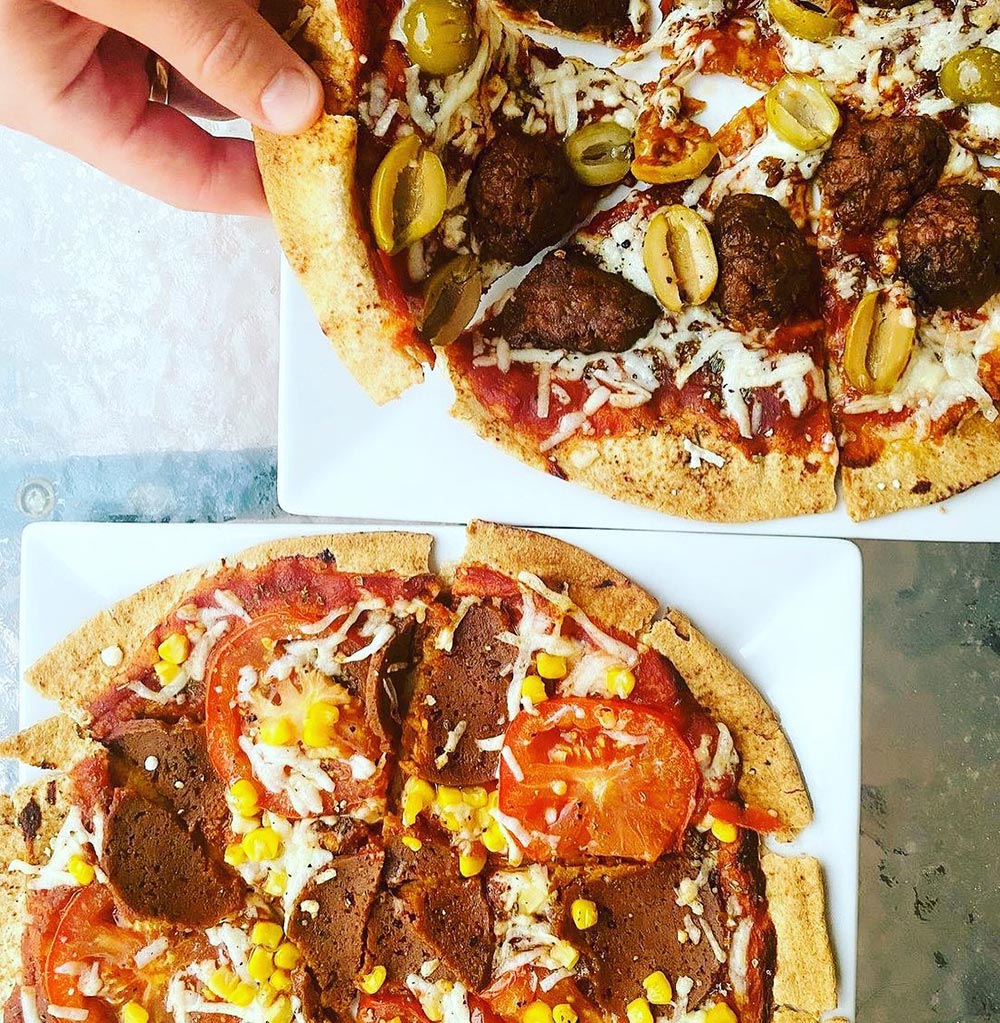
(949, 247)
(768, 273)
(569, 302)
(877, 169)
(609, 18)
(524, 196)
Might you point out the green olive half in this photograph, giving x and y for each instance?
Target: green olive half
(409, 195)
(451, 299)
(600, 154)
(440, 36)
(972, 76)
(803, 19)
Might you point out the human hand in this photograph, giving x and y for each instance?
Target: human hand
(73, 74)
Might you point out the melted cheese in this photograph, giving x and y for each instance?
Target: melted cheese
(72, 840)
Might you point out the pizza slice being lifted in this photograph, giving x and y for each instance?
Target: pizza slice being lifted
(453, 148)
(315, 782)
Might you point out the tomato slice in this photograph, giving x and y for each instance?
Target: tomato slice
(85, 931)
(605, 778)
(254, 647)
(390, 1005)
(750, 817)
(509, 995)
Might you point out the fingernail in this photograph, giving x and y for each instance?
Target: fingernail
(289, 101)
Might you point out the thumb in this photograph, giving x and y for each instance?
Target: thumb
(225, 49)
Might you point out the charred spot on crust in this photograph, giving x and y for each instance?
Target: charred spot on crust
(29, 820)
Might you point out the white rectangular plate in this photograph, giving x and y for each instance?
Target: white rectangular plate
(788, 613)
(341, 455)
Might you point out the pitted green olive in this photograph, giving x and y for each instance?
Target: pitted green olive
(600, 154)
(409, 195)
(803, 19)
(800, 112)
(451, 299)
(972, 76)
(440, 36)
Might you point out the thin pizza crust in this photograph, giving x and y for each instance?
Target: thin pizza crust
(653, 469)
(74, 673)
(594, 586)
(911, 473)
(309, 181)
(806, 979)
(771, 778)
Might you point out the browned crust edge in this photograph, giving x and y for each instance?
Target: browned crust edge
(310, 187)
(771, 777)
(73, 672)
(594, 586)
(652, 469)
(911, 473)
(805, 980)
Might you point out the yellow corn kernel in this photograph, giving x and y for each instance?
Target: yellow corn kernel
(638, 1011)
(371, 982)
(550, 666)
(494, 839)
(584, 913)
(565, 954)
(243, 798)
(133, 1012)
(234, 855)
(564, 1013)
(223, 983)
(418, 795)
(267, 934)
(533, 689)
(447, 795)
(262, 844)
(280, 1011)
(472, 862)
(82, 871)
(452, 821)
(319, 729)
(174, 649)
(493, 799)
(281, 981)
(720, 1013)
(166, 672)
(475, 797)
(276, 883)
(277, 732)
(286, 956)
(658, 990)
(724, 831)
(537, 1012)
(620, 683)
(266, 994)
(412, 843)
(260, 965)
(244, 994)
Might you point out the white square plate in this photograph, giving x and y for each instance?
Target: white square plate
(788, 612)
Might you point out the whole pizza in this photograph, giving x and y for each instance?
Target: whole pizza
(711, 326)
(318, 782)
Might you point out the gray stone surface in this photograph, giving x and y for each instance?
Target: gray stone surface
(929, 928)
